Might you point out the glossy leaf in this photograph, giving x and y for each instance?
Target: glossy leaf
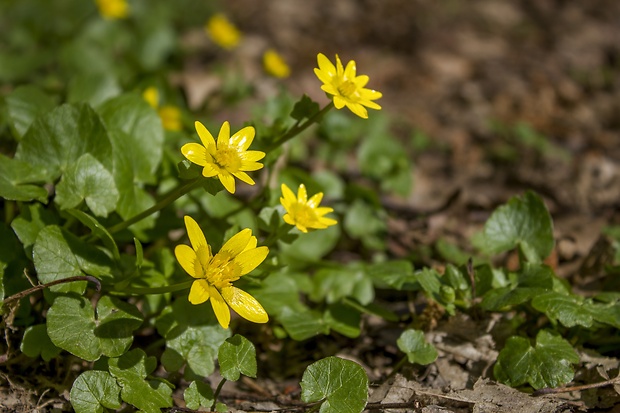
(59, 254)
(59, 138)
(95, 391)
(334, 284)
(72, 326)
(20, 181)
(304, 108)
(533, 280)
(87, 180)
(548, 364)
(340, 385)
(303, 325)
(93, 88)
(393, 274)
(572, 310)
(130, 371)
(343, 319)
(97, 229)
(198, 394)
(36, 342)
(31, 220)
(138, 128)
(24, 105)
(413, 344)
(523, 222)
(237, 356)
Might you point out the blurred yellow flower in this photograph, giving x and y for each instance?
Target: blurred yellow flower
(170, 115)
(275, 65)
(227, 159)
(214, 273)
(222, 31)
(346, 87)
(305, 213)
(151, 95)
(113, 9)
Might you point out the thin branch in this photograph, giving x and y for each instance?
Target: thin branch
(22, 294)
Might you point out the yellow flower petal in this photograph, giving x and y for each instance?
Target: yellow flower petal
(288, 194)
(242, 176)
(222, 313)
(358, 109)
(186, 257)
(228, 181)
(250, 166)
(302, 194)
(245, 305)
(210, 170)
(224, 136)
(195, 234)
(199, 293)
(315, 200)
(237, 243)
(205, 136)
(349, 71)
(252, 156)
(243, 139)
(195, 153)
(325, 65)
(250, 259)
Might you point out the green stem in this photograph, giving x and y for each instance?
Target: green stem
(169, 198)
(299, 128)
(217, 393)
(156, 290)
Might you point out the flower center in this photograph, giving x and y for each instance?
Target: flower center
(303, 214)
(223, 270)
(347, 88)
(228, 158)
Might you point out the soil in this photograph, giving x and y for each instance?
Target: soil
(508, 96)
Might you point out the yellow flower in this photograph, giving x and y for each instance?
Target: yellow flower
(275, 65)
(214, 273)
(222, 31)
(227, 159)
(347, 88)
(151, 95)
(170, 115)
(113, 9)
(305, 213)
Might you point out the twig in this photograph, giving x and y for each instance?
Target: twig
(22, 294)
(557, 390)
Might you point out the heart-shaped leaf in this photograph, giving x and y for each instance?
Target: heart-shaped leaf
(237, 356)
(412, 343)
(95, 391)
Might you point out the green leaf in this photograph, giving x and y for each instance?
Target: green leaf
(59, 138)
(303, 325)
(130, 371)
(36, 342)
(366, 223)
(412, 343)
(31, 220)
(93, 88)
(523, 222)
(138, 131)
(11, 263)
(343, 319)
(72, 326)
(198, 394)
(95, 391)
(237, 356)
(58, 254)
(310, 247)
(98, 230)
(572, 310)
(18, 181)
(334, 284)
(277, 292)
(548, 364)
(87, 180)
(340, 385)
(304, 108)
(397, 274)
(533, 280)
(192, 338)
(24, 105)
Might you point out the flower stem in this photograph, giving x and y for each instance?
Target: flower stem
(217, 393)
(299, 128)
(157, 290)
(169, 198)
